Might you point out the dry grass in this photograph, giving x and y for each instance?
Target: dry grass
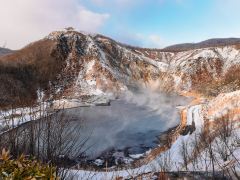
(228, 83)
(26, 70)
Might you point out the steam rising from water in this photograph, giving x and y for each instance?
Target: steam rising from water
(134, 121)
(157, 102)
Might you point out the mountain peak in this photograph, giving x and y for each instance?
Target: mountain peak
(73, 64)
(68, 32)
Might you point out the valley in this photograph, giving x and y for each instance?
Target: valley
(120, 99)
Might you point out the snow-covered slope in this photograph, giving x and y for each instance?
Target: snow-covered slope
(84, 69)
(226, 104)
(87, 66)
(108, 66)
(175, 71)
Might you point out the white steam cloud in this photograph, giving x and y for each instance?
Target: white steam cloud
(158, 103)
(137, 118)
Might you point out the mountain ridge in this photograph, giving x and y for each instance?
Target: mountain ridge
(72, 65)
(5, 51)
(215, 42)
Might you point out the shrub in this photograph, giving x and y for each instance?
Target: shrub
(24, 168)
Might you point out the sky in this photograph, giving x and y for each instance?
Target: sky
(144, 23)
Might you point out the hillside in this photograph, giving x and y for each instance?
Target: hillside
(69, 69)
(218, 42)
(4, 51)
(26, 71)
(84, 67)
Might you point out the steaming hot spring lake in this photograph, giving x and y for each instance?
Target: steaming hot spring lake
(130, 126)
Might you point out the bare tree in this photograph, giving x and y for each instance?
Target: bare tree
(184, 154)
(52, 138)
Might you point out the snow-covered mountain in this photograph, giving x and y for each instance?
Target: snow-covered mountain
(79, 66)
(4, 51)
(72, 68)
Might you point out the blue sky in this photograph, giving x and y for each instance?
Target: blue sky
(168, 21)
(146, 23)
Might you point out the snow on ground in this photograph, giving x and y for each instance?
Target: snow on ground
(109, 174)
(188, 62)
(223, 104)
(182, 61)
(162, 66)
(73, 103)
(87, 86)
(230, 148)
(136, 156)
(14, 117)
(89, 66)
(194, 113)
(206, 53)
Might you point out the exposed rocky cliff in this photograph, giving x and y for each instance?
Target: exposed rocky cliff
(74, 65)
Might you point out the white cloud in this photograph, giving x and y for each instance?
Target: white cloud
(156, 41)
(118, 4)
(142, 40)
(131, 3)
(152, 41)
(23, 21)
(90, 21)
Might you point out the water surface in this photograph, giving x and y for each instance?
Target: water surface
(126, 124)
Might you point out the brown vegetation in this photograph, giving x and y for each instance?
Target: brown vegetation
(24, 168)
(27, 70)
(228, 83)
(204, 44)
(48, 139)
